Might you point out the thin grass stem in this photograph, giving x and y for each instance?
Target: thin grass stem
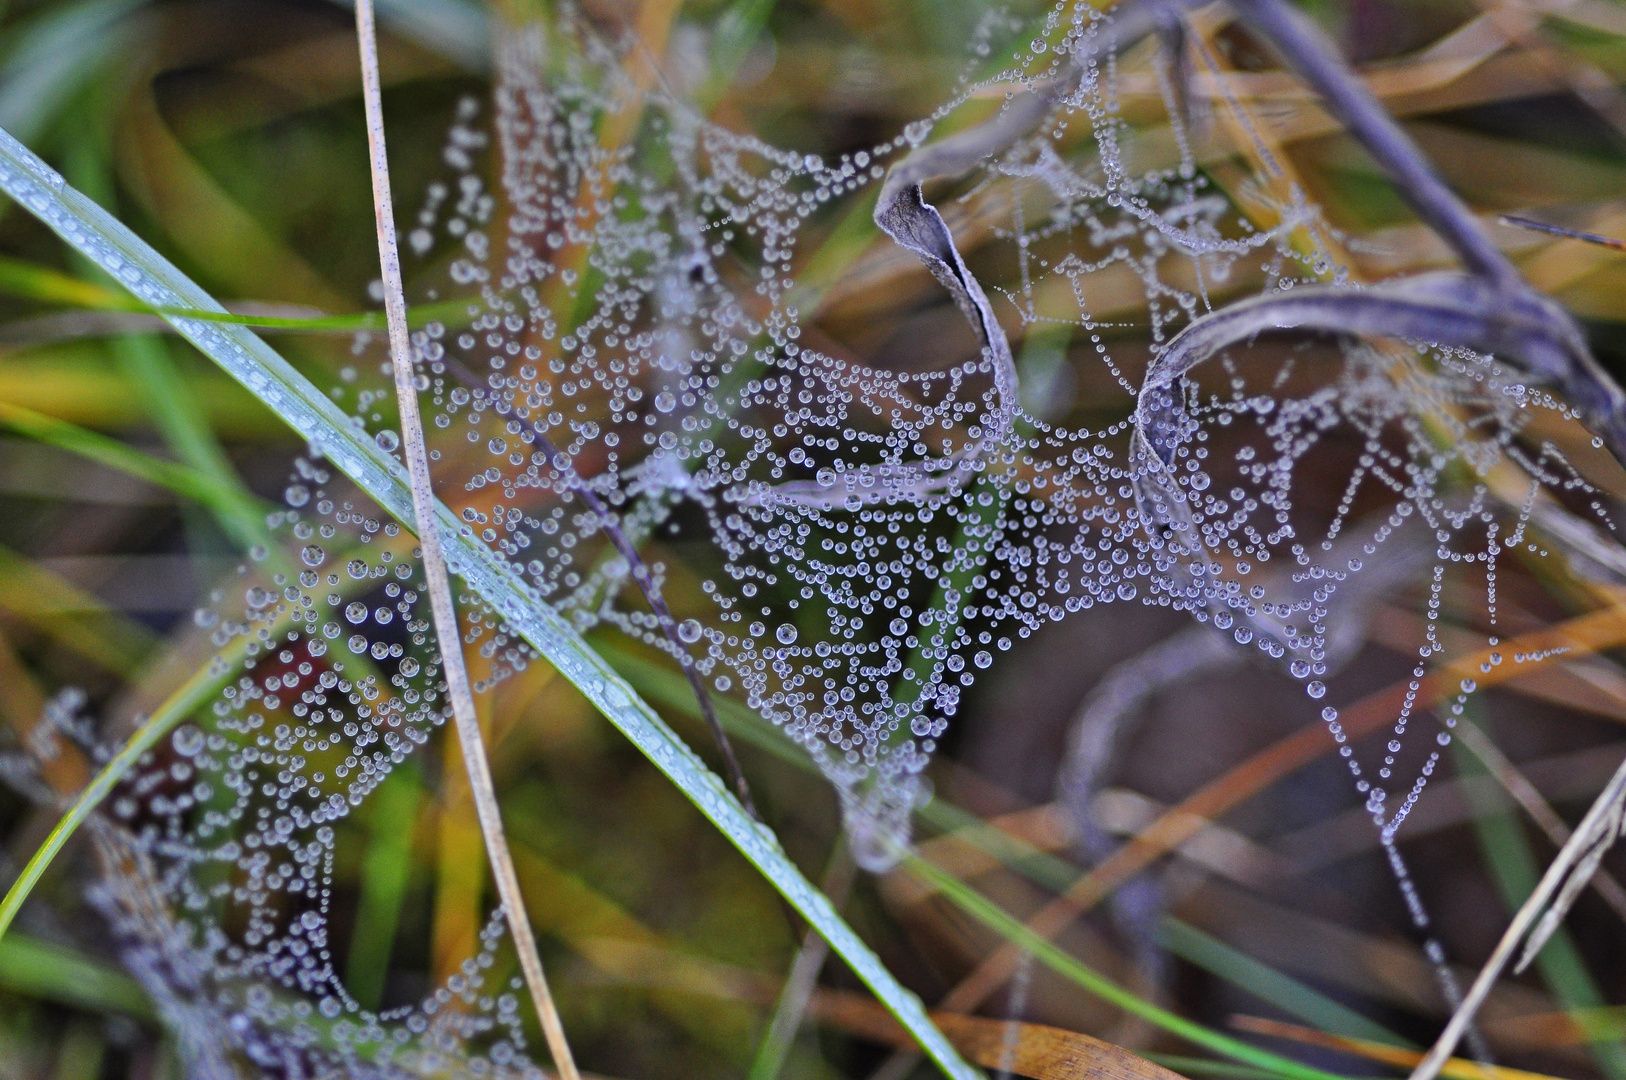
(434, 563)
(1584, 836)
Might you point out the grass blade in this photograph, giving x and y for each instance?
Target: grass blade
(191, 696)
(1011, 929)
(385, 870)
(54, 972)
(154, 281)
(448, 634)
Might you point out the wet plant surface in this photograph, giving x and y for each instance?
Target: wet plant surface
(1111, 512)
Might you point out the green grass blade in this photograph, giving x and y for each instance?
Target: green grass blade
(1010, 928)
(53, 56)
(1191, 1066)
(192, 695)
(31, 281)
(50, 972)
(234, 506)
(1269, 985)
(385, 870)
(154, 281)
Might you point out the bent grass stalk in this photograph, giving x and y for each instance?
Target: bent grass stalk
(434, 565)
(153, 280)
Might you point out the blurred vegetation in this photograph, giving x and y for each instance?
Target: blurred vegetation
(229, 134)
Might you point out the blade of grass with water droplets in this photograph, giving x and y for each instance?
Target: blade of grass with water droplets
(154, 281)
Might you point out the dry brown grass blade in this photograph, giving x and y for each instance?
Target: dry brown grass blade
(1041, 1051)
(447, 630)
(1587, 633)
(1456, 1068)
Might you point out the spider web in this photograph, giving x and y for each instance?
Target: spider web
(847, 545)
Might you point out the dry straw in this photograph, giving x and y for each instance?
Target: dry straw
(434, 563)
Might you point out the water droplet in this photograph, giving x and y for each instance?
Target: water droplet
(297, 495)
(387, 440)
(409, 667)
(313, 555)
(356, 613)
(1316, 688)
(257, 598)
(786, 634)
(1126, 591)
(688, 631)
(665, 402)
(187, 740)
(357, 568)
(983, 658)
(1300, 669)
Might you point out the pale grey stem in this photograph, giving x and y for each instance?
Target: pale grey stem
(1585, 835)
(434, 564)
(1541, 812)
(1316, 59)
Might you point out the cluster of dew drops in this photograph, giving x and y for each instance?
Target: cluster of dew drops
(859, 543)
(628, 357)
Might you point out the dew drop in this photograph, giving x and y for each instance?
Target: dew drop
(187, 740)
(313, 555)
(688, 631)
(786, 634)
(387, 440)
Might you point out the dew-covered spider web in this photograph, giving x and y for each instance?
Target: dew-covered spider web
(624, 357)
